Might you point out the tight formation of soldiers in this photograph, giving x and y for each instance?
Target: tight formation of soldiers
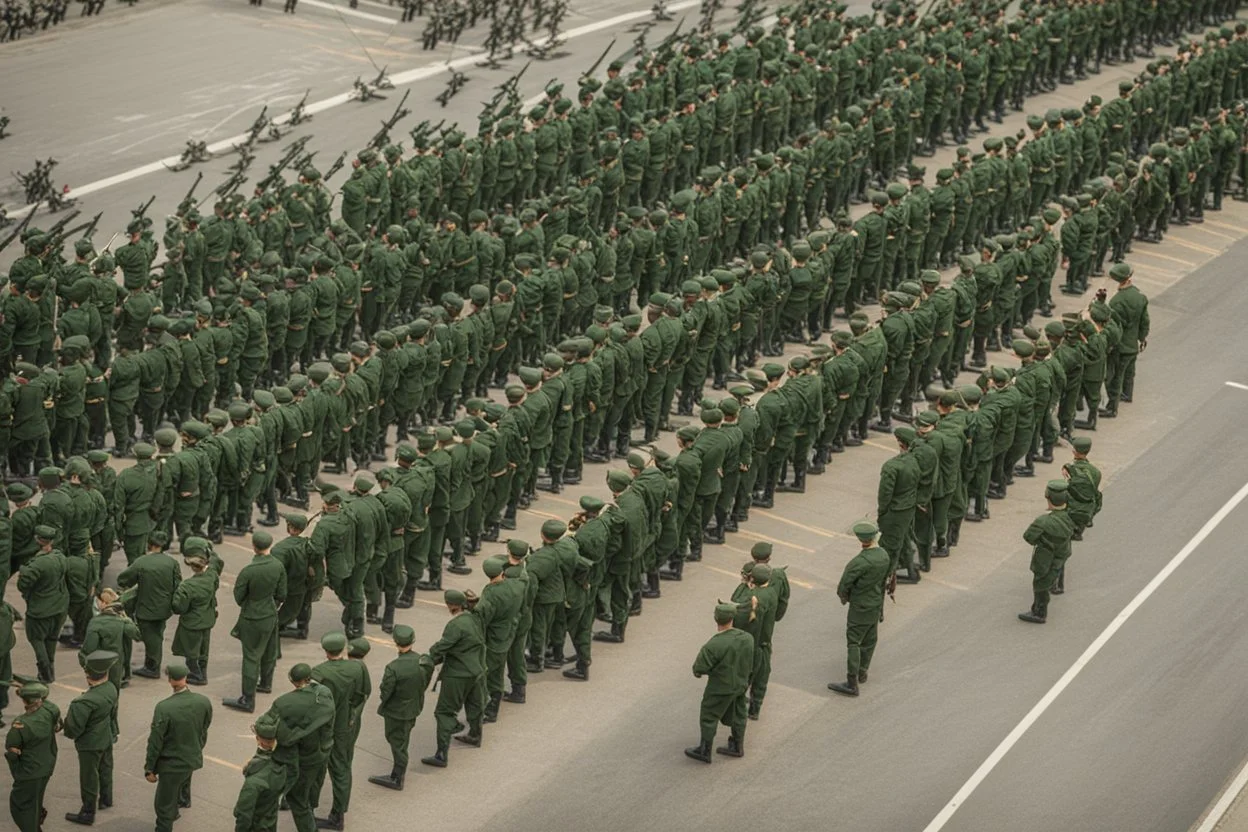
(276, 342)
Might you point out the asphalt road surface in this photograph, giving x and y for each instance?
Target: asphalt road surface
(1144, 737)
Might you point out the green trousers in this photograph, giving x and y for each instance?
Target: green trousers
(453, 694)
(516, 671)
(169, 788)
(725, 709)
(341, 756)
(259, 640)
(26, 803)
(399, 735)
(42, 634)
(301, 794)
(894, 531)
(860, 637)
(95, 777)
(153, 633)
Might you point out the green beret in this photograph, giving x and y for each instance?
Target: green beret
(403, 635)
(334, 642)
(865, 530)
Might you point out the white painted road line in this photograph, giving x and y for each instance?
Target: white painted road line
(1220, 808)
(409, 76)
(968, 788)
(347, 10)
(1237, 385)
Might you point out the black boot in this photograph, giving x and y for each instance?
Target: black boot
(387, 619)
(516, 695)
(83, 817)
(701, 751)
(579, 673)
(471, 738)
(393, 780)
(651, 589)
(243, 703)
(674, 572)
(734, 748)
(335, 819)
(848, 688)
(370, 614)
(438, 760)
(615, 636)
(491, 708)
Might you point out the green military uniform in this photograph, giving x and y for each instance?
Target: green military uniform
(305, 736)
(1049, 535)
(727, 661)
(349, 683)
(264, 778)
(862, 586)
(42, 583)
(30, 749)
(259, 590)
(195, 602)
(461, 652)
(175, 746)
(91, 722)
(155, 576)
(400, 700)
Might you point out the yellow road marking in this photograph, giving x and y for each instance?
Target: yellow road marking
(560, 500)
(774, 542)
(68, 687)
(949, 584)
(821, 532)
(1163, 257)
(892, 450)
(221, 762)
(727, 572)
(1193, 246)
(341, 53)
(1204, 230)
(545, 514)
(1227, 226)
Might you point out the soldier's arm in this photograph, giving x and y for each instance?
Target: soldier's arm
(704, 663)
(245, 807)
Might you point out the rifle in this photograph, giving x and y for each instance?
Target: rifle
(60, 224)
(383, 135)
(664, 51)
(17, 232)
(59, 236)
(258, 125)
(335, 167)
(187, 199)
(141, 212)
(90, 229)
(293, 150)
(110, 242)
(589, 72)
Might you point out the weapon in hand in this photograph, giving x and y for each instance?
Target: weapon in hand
(297, 115)
(382, 136)
(336, 166)
(17, 232)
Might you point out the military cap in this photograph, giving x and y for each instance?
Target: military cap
(261, 540)
(1051, 215)
(554, 529)
(331, 495)
(264, 399)
(636, 460)
(239, 411)
(194, 546)
(454, 597)
(1053, 116)
(158, 538)
(688, 433)
(301, 672)
(1035, 122)
(895, 190)
(1044, 347)
(878, 198)
(334, 642)
(1023, 348)
(1082, 444)
(632, 323)
(1120, 272)
(426, 442)
(518, 548)
(905, 434)
(1000, 374)
(265, 726)
(760, 551)
(177, 670)
(618, 480)
(712, 416)
(31, 691)
(403, 635)
(1100, 312)
(928, 417)
(45, 532)
(759, 259)
(729, 406)
(296, 520)
(493, 566)
(98, 662)
(1056, 491)
(217, 418)
(18, 492)
(724, 613)
(773, 371)
(358, 648)
(761, 573)
(971, 394)
(865, 530)
(741, 391)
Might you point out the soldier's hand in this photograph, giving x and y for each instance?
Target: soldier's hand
(151, 776)
(1143, 344)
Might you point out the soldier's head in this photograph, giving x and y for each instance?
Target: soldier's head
(176, 673)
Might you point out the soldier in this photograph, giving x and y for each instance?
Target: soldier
(91, 722)
(499, 611)
(1083, 492)
(348, 682)
(195, 602)
(726, 660)
(305, 736)
(1049, 535)
(259, 590)
(256, 808)
(30, 749)
(863, 585)
(42, 583)
(175, 746)
(1129, 307)
(400, 700)
(110, 630)
(461, 651)
(896, 501)
(155, 576)
(304, 577)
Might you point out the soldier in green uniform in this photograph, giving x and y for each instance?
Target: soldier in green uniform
(30, 749)
(264, 778)
(896, 500)
(400, 700)
(461, 652)
(259, 591)
(304, 578)
(1049, 536)
(349, 683)
(862, 586)
(1129, 307)
(727, 660)
(155, 577)
(499, 611)
(305, 737)
(175, 746)
(42, 583)
(195, 602)
(91, 722)
(1083, 492)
